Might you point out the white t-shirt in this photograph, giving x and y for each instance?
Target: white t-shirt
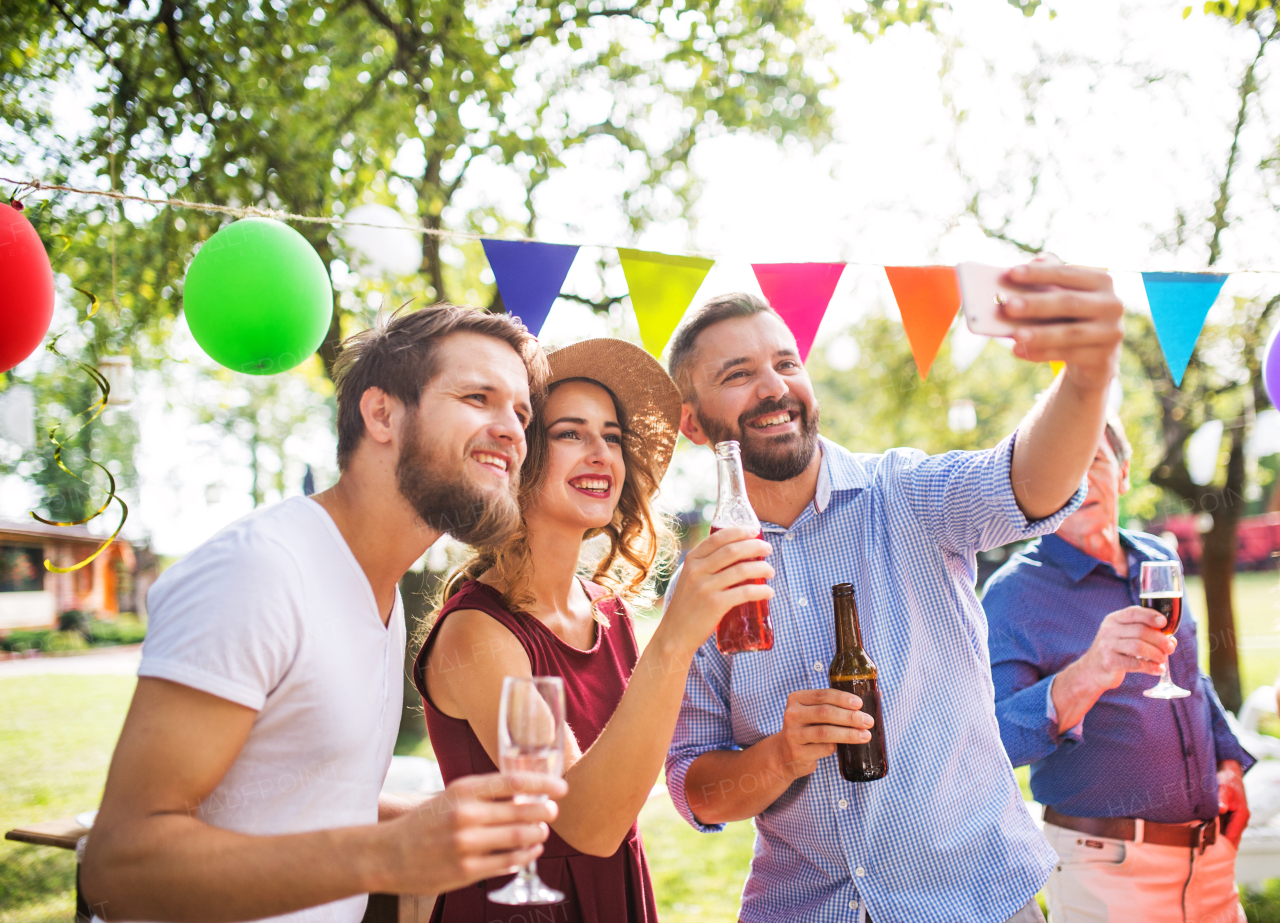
(275, 613)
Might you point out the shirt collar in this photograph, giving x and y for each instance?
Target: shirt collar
(840, 471)
(836, 472)
(822, 495)
(1079, 565)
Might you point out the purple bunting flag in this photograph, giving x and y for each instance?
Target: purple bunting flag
(529, 275)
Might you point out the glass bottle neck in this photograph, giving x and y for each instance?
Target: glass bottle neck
(848, 631)
(732, 505)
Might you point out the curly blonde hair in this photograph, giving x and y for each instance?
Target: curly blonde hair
(640, 541)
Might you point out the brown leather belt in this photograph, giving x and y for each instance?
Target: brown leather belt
(1195, 836)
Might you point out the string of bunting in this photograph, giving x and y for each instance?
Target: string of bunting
(529, 275)
(258, 299)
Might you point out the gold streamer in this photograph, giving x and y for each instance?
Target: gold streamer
(93, 309)
(94, 410)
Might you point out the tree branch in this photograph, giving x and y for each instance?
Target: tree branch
(1248, 85)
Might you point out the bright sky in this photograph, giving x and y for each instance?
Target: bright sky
(1132, 125)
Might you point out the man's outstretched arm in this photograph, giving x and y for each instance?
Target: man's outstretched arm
(150, 858)
(1079, 322)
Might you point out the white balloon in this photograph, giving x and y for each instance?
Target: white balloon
(843, 353)
(1265, 438)
(966, 346)
(962, 416)
(385, 250)
(1202, 452)
(18, 416)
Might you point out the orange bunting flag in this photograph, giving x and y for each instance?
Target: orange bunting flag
(928, 299)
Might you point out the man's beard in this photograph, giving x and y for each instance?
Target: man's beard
(447, 500)
(770, 458)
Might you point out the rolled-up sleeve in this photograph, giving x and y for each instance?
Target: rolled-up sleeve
(966, 499)
(1225, 744)
(704, 725)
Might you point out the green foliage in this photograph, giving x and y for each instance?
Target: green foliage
(1238, 11)
(262, 413)
(23, 640)
(124, 630)
(75, 620)
(1262, 906)
(311, 108)
(76, 631)
(56, 738)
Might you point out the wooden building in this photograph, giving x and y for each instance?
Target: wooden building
(33, 597)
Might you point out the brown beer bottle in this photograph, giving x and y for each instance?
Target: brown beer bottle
(852, 671)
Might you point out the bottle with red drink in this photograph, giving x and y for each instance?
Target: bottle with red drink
(745, 627)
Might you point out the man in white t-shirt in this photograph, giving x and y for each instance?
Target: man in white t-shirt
(246, 781)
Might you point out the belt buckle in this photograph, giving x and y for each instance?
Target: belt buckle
(1204, 835)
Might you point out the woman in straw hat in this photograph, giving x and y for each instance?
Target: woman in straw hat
(597, 451)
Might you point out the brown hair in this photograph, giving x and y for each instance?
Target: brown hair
(639, 539)
(683, 345)
(399, 356)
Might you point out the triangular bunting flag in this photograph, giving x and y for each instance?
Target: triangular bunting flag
(800, 292)
(1180, 302)
(661, 288)
(928, 299)
(529, 275)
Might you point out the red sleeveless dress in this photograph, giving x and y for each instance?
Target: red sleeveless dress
(597, 890)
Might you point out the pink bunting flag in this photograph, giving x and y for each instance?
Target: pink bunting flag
(800, 293)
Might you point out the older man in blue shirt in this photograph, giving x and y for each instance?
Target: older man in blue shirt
(944, 836)
(1144, 797)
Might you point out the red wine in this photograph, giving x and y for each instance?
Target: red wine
(745, 627)
(1168, 605)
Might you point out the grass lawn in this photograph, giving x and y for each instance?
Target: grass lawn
(57, 733)
(56, 738)
(1257, 605)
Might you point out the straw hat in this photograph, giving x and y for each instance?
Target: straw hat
(650, 399)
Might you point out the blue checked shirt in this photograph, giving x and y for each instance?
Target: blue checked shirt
(1045, 606)
(945, 836)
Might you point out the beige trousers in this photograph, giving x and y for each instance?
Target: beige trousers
(1100, 880)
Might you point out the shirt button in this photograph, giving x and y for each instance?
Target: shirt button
(860, 872)
(842, 803)
(817, 666)
(802, 601)
(853, 905)
(789, 536)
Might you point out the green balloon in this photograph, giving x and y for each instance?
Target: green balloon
(257, 297)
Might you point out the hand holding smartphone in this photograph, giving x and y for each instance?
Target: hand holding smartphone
(983, 291)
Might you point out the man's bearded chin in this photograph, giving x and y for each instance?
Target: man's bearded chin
(448, 501)
(770, 458)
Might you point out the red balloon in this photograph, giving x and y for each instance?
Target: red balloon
(26, 288)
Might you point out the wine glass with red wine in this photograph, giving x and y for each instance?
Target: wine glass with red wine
(1161, 589)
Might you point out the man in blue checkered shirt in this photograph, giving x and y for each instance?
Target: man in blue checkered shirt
(945, 835)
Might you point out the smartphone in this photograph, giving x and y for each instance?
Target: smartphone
(983, 289)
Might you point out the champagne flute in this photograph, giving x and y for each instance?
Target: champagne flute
(1161, 589)
(530, 739)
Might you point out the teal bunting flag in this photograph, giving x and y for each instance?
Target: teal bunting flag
(1180, 302)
